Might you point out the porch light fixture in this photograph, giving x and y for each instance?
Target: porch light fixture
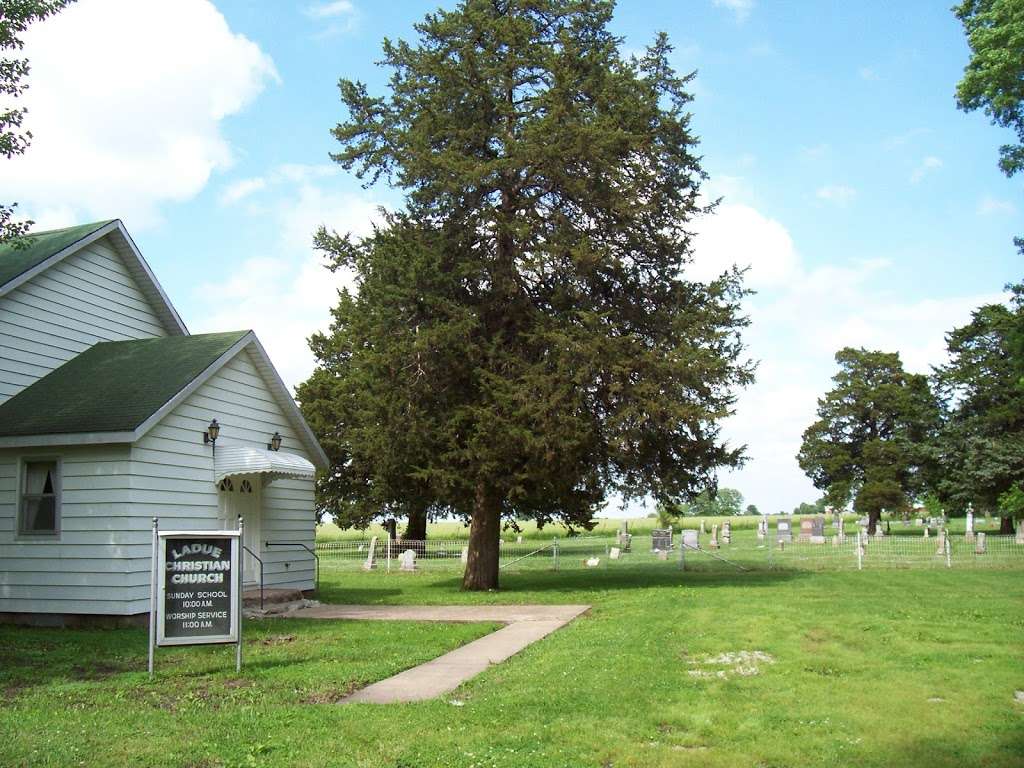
(275, 442)
(211, 434)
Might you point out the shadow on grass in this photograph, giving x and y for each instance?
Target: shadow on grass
(433, 588)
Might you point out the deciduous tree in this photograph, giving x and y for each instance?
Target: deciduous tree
(870, 442)
(980, 450)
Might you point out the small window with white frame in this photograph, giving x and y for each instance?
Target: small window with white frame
(39, 505)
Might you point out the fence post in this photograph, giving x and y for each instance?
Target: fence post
(389, 552)
(860, 551)
(554, 551)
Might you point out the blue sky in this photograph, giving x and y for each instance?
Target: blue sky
(870, 210)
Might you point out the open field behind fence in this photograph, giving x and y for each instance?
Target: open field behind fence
(745, 552)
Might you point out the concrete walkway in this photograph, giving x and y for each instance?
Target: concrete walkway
(524, 624)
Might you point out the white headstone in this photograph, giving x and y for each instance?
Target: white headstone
(519, 539)
(969, 525)
(926, 533)
(662, 554)
(919, 522)
(371, 562)
(714, 537)
(408, 560)
(980, 546)
(465, 555)
(726, 532)
(592, 562)
(614, 553)
(691, 540)
(1019, 538)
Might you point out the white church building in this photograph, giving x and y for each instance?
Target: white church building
(112, 414)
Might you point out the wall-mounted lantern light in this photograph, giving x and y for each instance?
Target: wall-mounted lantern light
(211, 434)
(275, 442)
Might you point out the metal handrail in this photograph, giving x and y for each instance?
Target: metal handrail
(260, 561)
(306, 547)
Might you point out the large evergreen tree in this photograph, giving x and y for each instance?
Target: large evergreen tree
(980, 449)
(523, 339)
(870, 442)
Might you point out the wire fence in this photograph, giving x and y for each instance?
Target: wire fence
(696, 552)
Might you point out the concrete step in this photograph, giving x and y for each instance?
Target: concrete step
(251, 597)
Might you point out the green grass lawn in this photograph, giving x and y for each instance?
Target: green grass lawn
(872, 668)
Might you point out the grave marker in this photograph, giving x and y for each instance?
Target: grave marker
(661, 539)
(979, 548)
(614, 553)
(371, 556)
(784, 529)
(407, 562)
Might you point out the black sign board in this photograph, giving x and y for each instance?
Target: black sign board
(198, 600)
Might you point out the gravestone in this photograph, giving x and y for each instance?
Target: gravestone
(879, 530)
(817, 530)
(371, 561)
(592, 562)
(714, 537)
(661, 540)
(726, 532)
(806, 529)
(691, 540)
(625, 541)
(614, 553)
(519, 539)
(663, 554)
(1019, 538)
(941, 539)
(762, 529)
(465, 555)
(784, 529)
(407, 562)
(918, 522)
(969, 525)
(703, 531)
(979, 548)
(926, 533)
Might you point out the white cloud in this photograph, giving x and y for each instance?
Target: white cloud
(740, 8)
(816, 152)
(338, 17)
(840, 194)
(929, 164)
(286, 294)
(241, 189)
(801, 315)
(740, 235)
(869, 74)
(126, 102)
(330, 10)
(991, 206)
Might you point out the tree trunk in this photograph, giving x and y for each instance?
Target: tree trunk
(484, 534)
(1006, 526)
(874, 518)
(416, 528)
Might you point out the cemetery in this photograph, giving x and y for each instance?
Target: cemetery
(705, 666)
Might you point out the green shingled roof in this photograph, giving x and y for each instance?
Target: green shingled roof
(113, 386)
(37, 247)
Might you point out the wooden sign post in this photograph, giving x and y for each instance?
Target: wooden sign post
(196, 595)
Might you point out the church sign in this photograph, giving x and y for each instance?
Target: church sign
(197, 589)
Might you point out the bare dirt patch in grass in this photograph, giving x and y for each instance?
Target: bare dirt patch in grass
(730, 663)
